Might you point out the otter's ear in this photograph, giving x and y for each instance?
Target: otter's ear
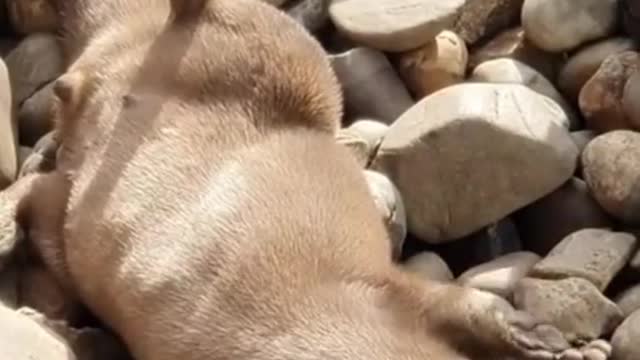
(68, 89)
(182, 10)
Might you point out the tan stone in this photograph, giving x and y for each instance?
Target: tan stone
(438, 64)
(462, 157)
(393, 25)
(601, 97)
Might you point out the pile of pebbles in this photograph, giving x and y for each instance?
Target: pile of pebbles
(499, 138)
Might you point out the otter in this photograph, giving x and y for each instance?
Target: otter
(201, 208)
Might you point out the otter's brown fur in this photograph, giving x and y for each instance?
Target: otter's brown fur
(201, 207)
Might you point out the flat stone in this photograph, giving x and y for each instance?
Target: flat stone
(625, 339)
(8, 132)
(389, 203)
(573, 305)
(493, 129)
(515, 72)
(562, 25)
(483, 18)
(544, 223)
(582, 65)
(393, 25)
(629, 300)
(438, 64)
(34, 116)
(500, 276)
(21, 338)
(429, 266)
(601, 97)
(596, 255)
(612, 170)
(362, 139)
(371, 86)
(34, 62)
(513, 44)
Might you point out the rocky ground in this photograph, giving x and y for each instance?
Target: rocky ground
(499, 137)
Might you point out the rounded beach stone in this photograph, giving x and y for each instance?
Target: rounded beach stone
(438, 64)
(612, 171)
(585, 62)
(429, 266)
(625, 339)
(562, 25)
(34, 62)
(515, 72)
(482, 18)
(596, 255)
(371, 86)
(544, 223)
(389, 203)
(494, 129)
(513, 44)
(8, 132)
(629, 300)
(500, 276)
(393, 25)
(22, 338)
(574, 305)
(601, 97)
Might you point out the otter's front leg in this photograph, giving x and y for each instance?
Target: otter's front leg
(485, 326)
(42, 214)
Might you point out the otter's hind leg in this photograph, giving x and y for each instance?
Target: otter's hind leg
(485, 326)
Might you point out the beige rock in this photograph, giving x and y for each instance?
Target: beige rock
(31, 16)
(21, 338)
(389, 202)
(562, 25)
(36, 61)
(612, 170)
(501, 275)
(461, 157)
(371, 86)
(629, 300)
(573, 305)
(596, 255)
(393, 25)
(601, 97)
(429, 266)
(513, 44)
(8, 131)
(362, 138)
(438, 64)
(512, 71)
(34, 116)
(482, 18)
(585, 62)
(625, 339)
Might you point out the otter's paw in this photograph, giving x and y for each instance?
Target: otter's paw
(538, 341)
